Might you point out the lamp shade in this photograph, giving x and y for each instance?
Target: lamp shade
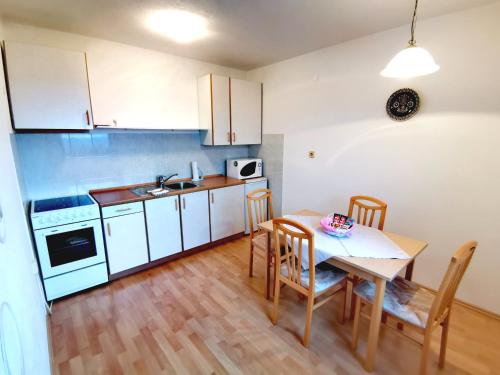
(411, 62)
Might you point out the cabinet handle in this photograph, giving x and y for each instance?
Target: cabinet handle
(229, 137)
(109, 229)
(177, 204)
(234, 137)
(123, 209)
(184, 203)
(115, 123)
(88, 117)
(212, 196)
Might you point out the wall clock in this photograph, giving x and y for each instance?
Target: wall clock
(403, 104)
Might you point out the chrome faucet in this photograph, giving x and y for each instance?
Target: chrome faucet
(162, 180)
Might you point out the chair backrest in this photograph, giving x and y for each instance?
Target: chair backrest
(259, 205)
(363, 209)
(290, 235)
(449, 285)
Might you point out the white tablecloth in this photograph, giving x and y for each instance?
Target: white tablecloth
(364, 242)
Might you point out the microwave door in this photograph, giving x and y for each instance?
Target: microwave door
(249, 169)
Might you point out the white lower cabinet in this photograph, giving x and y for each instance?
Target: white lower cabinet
(226, 211)
(164, 227)
(195, 219)
(125, 235)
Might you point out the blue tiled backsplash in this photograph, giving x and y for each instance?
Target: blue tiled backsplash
(52, 164)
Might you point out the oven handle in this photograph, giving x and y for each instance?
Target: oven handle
(109, 229)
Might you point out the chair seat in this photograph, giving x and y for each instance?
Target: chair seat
(327, 276)
(403, 299)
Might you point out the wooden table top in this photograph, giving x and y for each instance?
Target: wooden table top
(370, 268)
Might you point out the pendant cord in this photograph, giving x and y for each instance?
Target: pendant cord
(413, 25)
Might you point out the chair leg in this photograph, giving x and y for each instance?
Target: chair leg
(277, 288)
(355, 327)
(425, 353)
(307, 330)
(354, 283)
(342, 305)
(250, 264)
(444, 341)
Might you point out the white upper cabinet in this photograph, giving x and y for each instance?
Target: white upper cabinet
(164, 226)
(214, 110)
(135, 88)
(226, 211)
(246, 112)
(230, 111)
(48, 87)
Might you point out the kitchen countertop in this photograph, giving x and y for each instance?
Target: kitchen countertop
(122, 194)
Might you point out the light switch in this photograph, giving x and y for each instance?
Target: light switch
(312, 154)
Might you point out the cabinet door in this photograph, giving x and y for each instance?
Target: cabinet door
(195, 219)
(48, 87)
(135, 88)
(164, 227)
(126, 242)
(226, 211)
(246, 112)
(221, 113)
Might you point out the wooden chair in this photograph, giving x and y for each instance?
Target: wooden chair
(323, 280)
(363, 209)
(259, 204)
(365, 215)
(417, 307)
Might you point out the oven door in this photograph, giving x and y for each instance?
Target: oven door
(70, 247)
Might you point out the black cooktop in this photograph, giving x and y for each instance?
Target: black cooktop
(60, 203)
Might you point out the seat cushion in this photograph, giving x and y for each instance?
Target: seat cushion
(403, 299)
(326, 276)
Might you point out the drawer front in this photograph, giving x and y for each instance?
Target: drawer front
(122, 209)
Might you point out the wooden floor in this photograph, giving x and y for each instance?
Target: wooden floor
(203, 315)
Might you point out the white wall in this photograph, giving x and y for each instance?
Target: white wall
(152, 74)
(21, 301)
(439, 172)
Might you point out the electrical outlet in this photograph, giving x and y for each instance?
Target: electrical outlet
(312, 154)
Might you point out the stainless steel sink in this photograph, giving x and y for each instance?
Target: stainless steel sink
(181, 185)
(143, 190)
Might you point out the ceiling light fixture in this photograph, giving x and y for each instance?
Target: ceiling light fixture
(412, 61)
(178, 25)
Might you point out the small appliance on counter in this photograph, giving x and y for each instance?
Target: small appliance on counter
(69, 243)
(243, 169)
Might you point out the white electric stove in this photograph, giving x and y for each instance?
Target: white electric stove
(70, 245)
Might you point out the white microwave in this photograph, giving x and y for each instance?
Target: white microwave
(244, 168)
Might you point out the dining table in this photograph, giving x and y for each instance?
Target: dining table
(378, 270)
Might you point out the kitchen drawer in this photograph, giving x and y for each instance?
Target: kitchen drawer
(122, 209)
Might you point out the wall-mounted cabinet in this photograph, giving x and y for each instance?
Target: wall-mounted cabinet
(230, 111)
(48, 87)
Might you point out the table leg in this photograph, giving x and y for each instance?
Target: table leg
(376, 315)
(409, 270)
(268, 265)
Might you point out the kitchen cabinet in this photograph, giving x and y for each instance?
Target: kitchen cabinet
(229, 110)
(125, 235)
(195, 219)
(164, 226)
(48, 87)
(226, 211)
(134, 88)
(246, 112)
(214, 110)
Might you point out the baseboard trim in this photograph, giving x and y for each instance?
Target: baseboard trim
(467, 305)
